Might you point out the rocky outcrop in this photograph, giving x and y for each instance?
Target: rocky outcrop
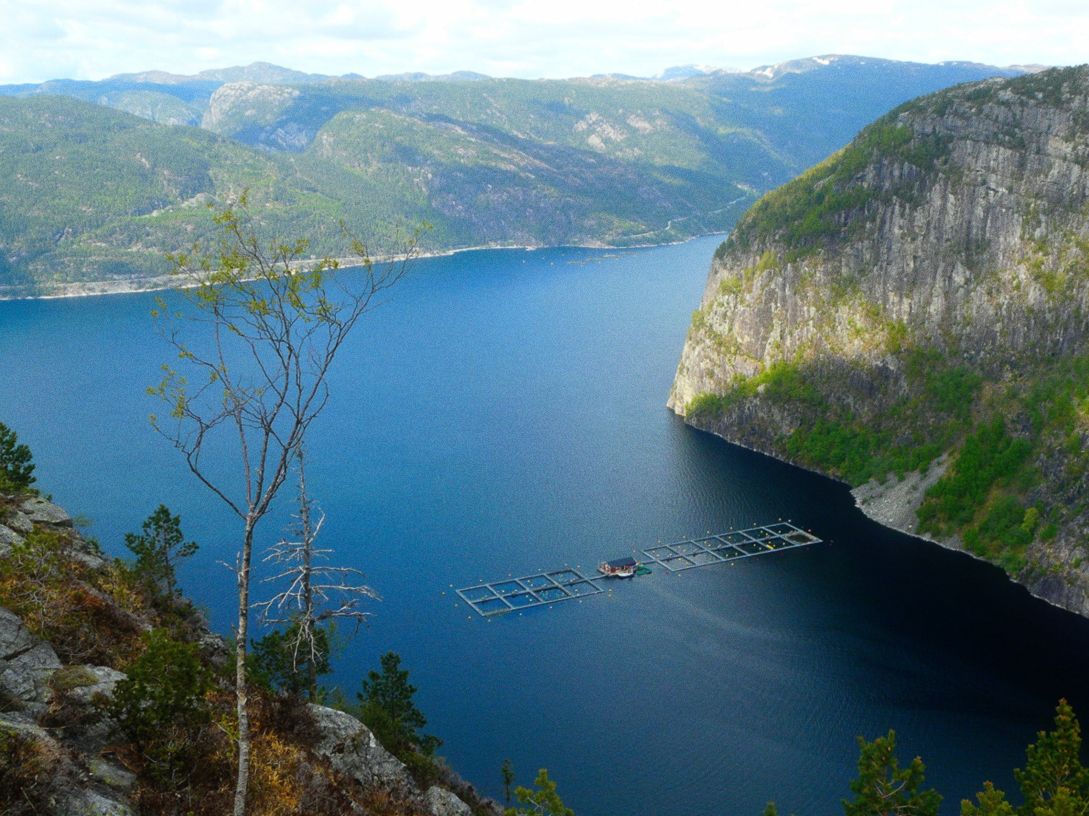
(36, 510)
(354, 751)
(441, 802)
(26, 665)
(932, 275)
(69, 757)
(60, 786)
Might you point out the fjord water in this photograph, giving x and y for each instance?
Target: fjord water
(504, 412)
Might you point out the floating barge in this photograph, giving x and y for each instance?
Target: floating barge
(619, 568)
(569, 583)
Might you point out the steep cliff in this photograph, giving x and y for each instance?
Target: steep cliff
(912, 315)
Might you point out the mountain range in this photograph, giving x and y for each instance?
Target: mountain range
(105, 178)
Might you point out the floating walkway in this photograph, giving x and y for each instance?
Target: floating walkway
(546, 588)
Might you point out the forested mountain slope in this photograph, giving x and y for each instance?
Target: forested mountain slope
(93, 193)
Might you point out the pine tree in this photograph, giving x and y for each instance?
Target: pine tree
(883, 788)
(16, 468)
(992, 802)
(388, 710)
(542, 801)
(158, 546)
(1053, 764)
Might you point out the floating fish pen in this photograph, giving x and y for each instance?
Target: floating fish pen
(569, 583)
(715, 549)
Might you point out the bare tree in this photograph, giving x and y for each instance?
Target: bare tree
(317, 592)
(254, 380)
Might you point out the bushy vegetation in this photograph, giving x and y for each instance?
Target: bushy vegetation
(855, 452)
(884, 787)
(1053, 782)
(993, 435)
(88, 615)
(157, 547)
(161, 707)
(906, 436)
(26, 769)
(279, 661)
(387, 708)
(782, 381)
(174, 712)
(541, 799)
(16, 462)
(988, 458)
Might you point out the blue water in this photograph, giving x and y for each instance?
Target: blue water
(504, 412)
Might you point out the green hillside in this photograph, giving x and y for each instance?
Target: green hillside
(96, 194)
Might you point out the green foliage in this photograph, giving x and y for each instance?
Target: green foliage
(387, 708)
(992, 802)
(988, 459)
(1053, 770)
(1048, 86)
(160, 706)
(280, 661)
(883, 788)
(856, 452)
(782, 381)
(157, 548)
(16, 465)
(541, 800)
(1053, 782)
(1005, 531)
(951, 389)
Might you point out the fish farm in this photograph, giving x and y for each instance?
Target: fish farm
(569, 583)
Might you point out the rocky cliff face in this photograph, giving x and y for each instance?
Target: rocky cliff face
(924, 292)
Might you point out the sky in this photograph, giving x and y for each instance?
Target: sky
(93, 39)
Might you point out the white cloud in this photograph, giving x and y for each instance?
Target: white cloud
(91, 39)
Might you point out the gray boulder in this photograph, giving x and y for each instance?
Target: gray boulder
(441, 802)
(26, 663)
(86, 684)
(7, 538)
(19, 522)
(41, 511)
(89, 802)
(77, 706)
(354, 751)
(110, 773)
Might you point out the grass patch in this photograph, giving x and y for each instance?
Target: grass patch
(782, 382)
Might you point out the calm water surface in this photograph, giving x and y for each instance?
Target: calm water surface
(504, 412)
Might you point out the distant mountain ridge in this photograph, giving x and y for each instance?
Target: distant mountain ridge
(106, 177)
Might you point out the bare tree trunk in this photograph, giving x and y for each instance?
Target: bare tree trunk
(243, 777)
(307, 586)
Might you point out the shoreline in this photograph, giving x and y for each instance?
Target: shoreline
(159, 283)
(876, 501)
